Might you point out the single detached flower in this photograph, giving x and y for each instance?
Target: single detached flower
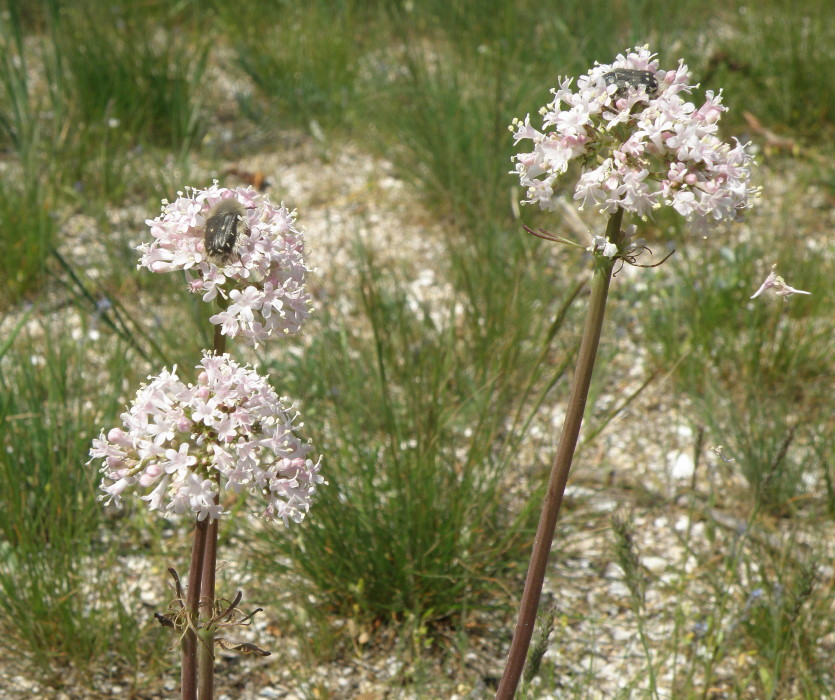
(639, 144)
(182, 444)
(237, 246)
(777, 285)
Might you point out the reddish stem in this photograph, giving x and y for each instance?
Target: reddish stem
(208, 569)
(560, 468)
(188, 672)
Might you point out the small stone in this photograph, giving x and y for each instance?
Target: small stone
(654, 564)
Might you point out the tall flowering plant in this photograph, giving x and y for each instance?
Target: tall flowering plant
(183, 445)
(639, 145)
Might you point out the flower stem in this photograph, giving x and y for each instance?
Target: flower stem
(188, 671)
(560, 467)
(205, 652)
(206, 663)
(220, 341)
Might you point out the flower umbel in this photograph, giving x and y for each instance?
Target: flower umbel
(255, 258)
(640, 145)
(182, 443)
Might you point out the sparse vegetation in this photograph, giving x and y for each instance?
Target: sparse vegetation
(432, 402)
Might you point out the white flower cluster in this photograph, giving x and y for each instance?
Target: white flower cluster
(183, 444)
(261, 279)
(641, 146)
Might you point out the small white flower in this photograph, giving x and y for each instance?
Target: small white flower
(603, 246)
(777, 285)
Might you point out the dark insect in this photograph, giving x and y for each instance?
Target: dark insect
(222, 228)
(624, 78)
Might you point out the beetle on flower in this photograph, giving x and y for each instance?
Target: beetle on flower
(640, 145)
(235, 245)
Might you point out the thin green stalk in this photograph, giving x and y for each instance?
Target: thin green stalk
(653, 686)
(205, 663)
(561, 466)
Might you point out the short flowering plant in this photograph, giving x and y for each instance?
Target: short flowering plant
(259, 281)
(182, 444)
(640, 144)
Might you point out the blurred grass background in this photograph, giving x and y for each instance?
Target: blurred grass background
(421, 412)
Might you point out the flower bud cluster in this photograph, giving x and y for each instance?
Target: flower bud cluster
(639, 143)
(260, 282)
(182, 444)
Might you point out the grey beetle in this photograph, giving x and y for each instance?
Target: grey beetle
(625, 78)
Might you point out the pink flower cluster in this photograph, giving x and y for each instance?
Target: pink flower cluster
(640, 145)
(261, 283)
(183, 444)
